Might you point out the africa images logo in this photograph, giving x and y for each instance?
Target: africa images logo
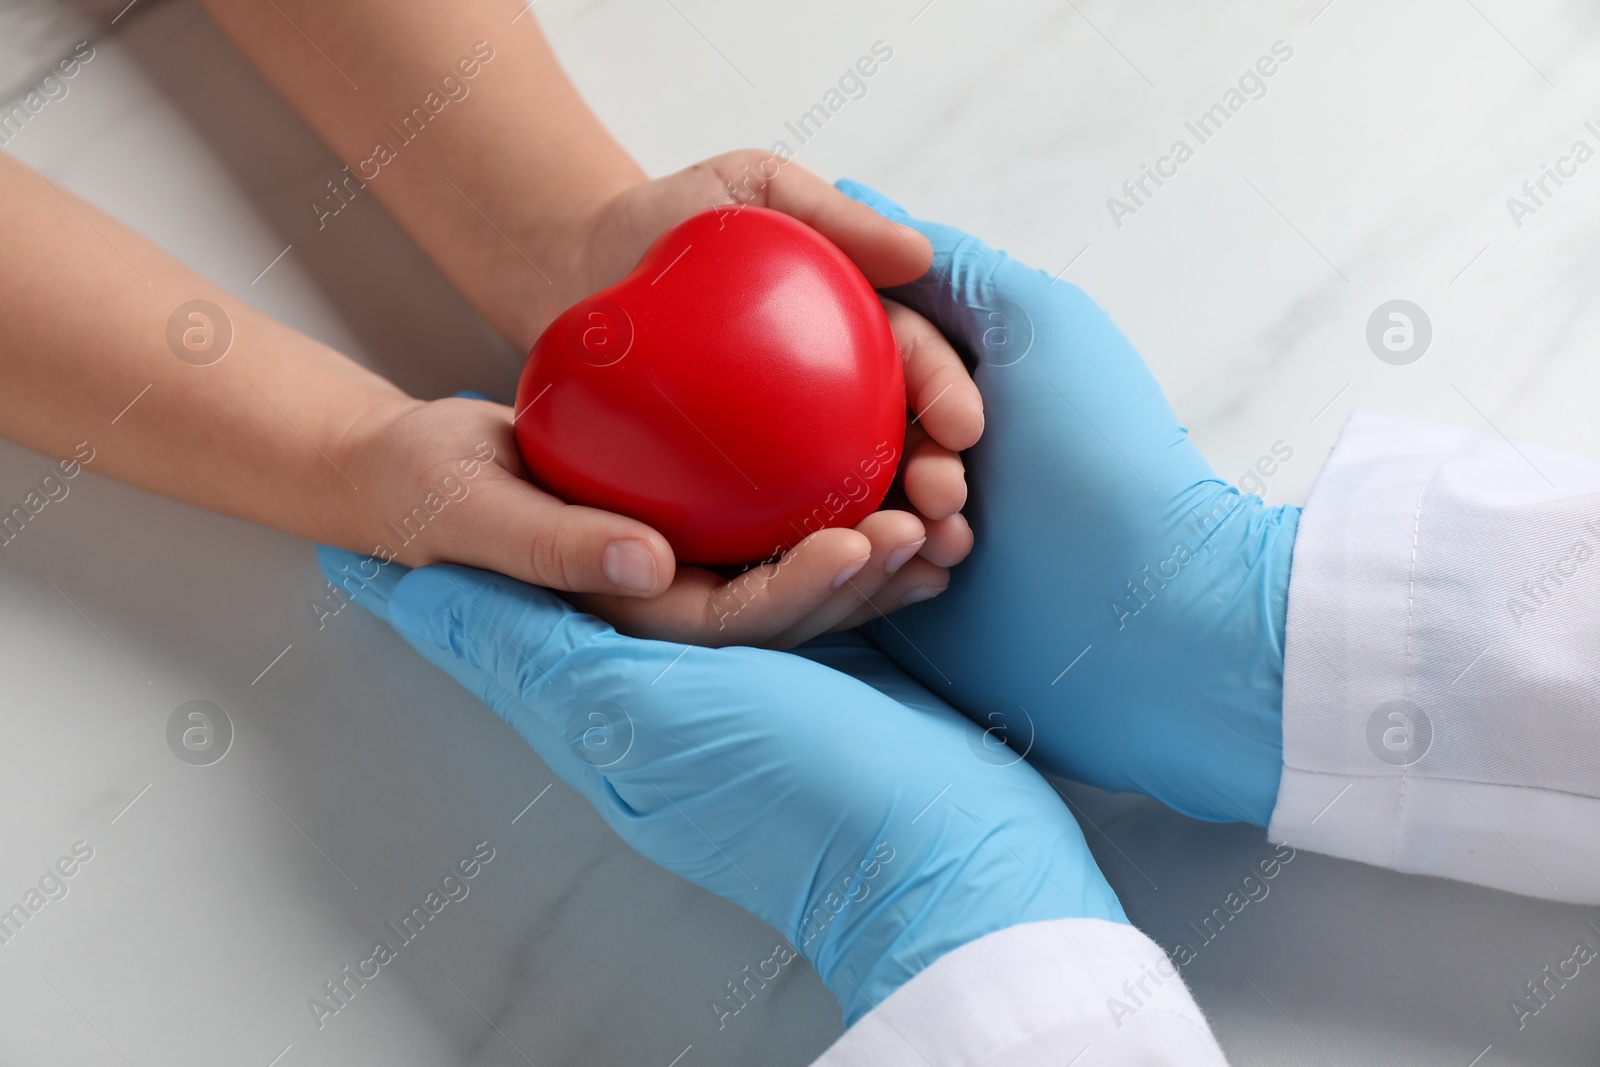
(341, 989)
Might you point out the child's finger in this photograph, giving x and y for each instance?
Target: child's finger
(704, 608)
(949, 541)
(896, 537)
(942, 397)
(888, 253)
(521, 531)
(917, 581)
(933, 477)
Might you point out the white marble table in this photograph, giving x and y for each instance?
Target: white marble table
(1375, 165)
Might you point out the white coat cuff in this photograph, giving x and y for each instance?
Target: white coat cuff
(1037, 995)
(1441, 712)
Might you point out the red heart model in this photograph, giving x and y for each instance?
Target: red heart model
(738, 391)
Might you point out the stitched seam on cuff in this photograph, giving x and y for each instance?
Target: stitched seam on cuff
(1408, 666)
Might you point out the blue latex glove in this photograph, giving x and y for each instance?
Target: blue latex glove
(825, 792)
(1102, 532)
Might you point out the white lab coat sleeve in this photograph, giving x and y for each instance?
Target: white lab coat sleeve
(1085, 992)
(1441, 695)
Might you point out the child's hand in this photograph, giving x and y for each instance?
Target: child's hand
(945, 406)
(443, 481)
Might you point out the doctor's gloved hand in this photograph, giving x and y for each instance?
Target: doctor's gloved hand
(824, 791)
(1121, 616)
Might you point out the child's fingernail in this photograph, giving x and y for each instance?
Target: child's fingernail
(902, 555)
(629, 565)
(849, 571)
(918, 593)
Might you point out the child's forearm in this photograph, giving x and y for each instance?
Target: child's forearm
(495, 165)
(89, 353)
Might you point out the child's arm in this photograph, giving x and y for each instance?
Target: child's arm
(513, 187)
(94, 351)
(84, 357)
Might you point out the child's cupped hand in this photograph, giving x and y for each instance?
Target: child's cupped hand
(442, 481)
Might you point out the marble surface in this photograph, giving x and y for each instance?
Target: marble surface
(1376, 164)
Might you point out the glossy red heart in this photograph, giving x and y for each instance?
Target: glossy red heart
(738, 391)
